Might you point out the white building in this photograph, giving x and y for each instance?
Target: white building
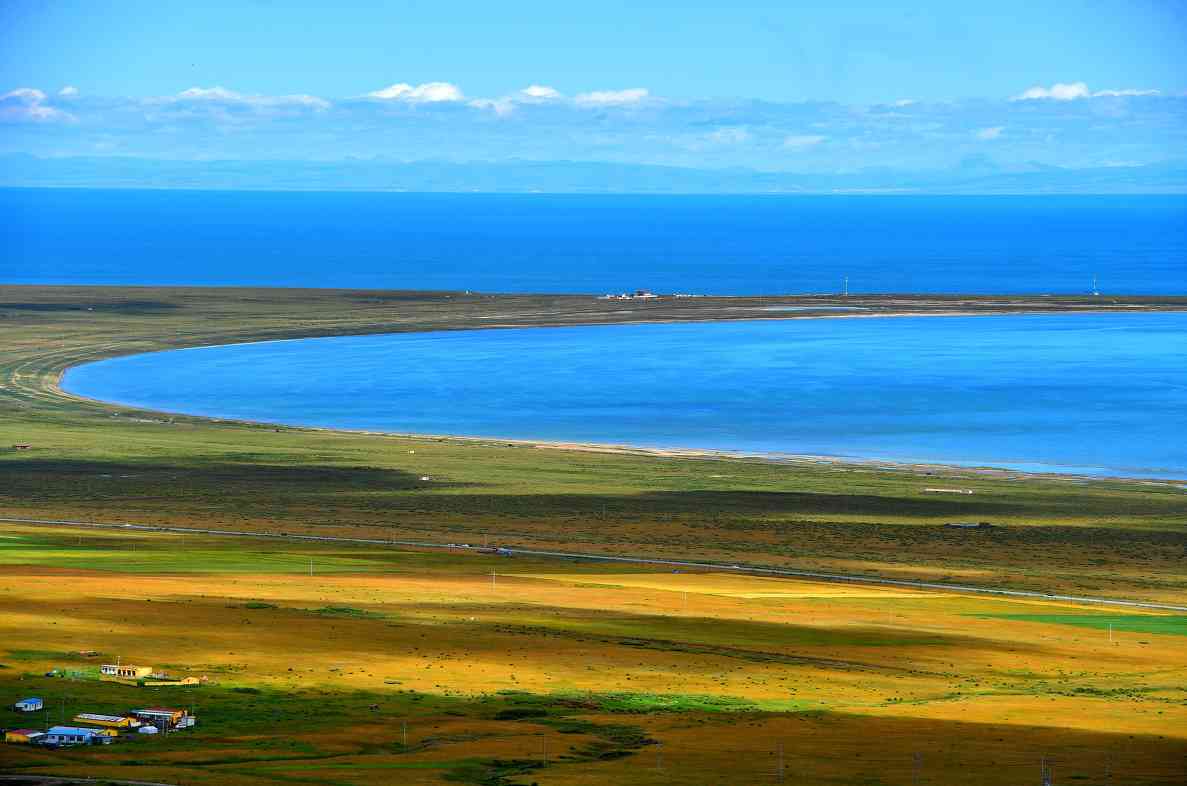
(73, 735)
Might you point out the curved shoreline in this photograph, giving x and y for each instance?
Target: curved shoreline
(951, 467)
(81, 463)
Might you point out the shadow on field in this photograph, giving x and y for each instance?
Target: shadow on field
(259, 488)
(47, 480)
(761, 502)
(486, 633)
(877, 648)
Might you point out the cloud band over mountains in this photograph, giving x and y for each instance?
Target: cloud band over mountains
(1064, 124)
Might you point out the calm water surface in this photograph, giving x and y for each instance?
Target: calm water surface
(1099, 394)
(596, 244)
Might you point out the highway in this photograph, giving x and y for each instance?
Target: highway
(838, 578)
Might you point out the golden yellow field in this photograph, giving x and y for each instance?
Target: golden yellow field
(317, 654)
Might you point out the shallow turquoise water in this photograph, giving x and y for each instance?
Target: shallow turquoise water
(1088, 393)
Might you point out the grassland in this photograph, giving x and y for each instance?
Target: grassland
(625, 676)
(94, 462)
(638, 676)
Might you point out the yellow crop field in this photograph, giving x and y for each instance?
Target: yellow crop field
(352, 664)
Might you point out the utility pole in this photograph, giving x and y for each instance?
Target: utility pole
(404, 732)
(845, 286)
(1046, 773)
(779, 771)
(917, 769)
(1110, 633)
(311, 566)
(659, 756)
(492, 580)
(544, 748)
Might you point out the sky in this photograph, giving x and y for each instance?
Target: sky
(767, 85)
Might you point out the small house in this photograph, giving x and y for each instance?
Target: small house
(33, 704)
(161, 717)
(23, 736)
(148, 730)
(125, 671)
(73, 735)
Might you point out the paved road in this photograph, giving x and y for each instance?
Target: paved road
(838, 578)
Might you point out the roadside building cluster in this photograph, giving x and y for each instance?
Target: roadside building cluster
(92, 728)
(142, 675)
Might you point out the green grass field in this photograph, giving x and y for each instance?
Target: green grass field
(95, 462)
(1135, 623)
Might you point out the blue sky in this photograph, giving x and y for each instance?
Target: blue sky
(775, 85)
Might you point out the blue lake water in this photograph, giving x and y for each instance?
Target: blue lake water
(596, 244)
(1087, 393)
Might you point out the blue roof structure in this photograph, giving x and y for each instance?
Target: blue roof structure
(77, 731)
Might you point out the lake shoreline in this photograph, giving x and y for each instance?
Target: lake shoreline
(951, 468)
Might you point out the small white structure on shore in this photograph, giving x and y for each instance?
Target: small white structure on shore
(32, 704)
(638, 294)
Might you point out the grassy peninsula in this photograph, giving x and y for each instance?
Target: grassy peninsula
(95, 462)
(362, 664)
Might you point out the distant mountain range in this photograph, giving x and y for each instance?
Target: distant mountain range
(973, 176)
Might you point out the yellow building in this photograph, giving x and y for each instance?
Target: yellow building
(22, 736)
(124, 671)
(109, 721)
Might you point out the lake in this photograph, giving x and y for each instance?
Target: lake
(1085, 393)
(596, 244)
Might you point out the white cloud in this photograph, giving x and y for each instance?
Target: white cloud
(1070, 91)
(209, 93)
(613, 97)
(729, 136)
(68, 91)
(222, 95)
(532, 94)
(993, 132)
(905, 102)
(802, 141)
(427, 93)
(30, 95)
(1060, 91)
(540, 93)
(1126, 92)
(28, 105)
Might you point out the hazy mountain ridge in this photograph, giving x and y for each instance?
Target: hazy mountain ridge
(517, 176)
